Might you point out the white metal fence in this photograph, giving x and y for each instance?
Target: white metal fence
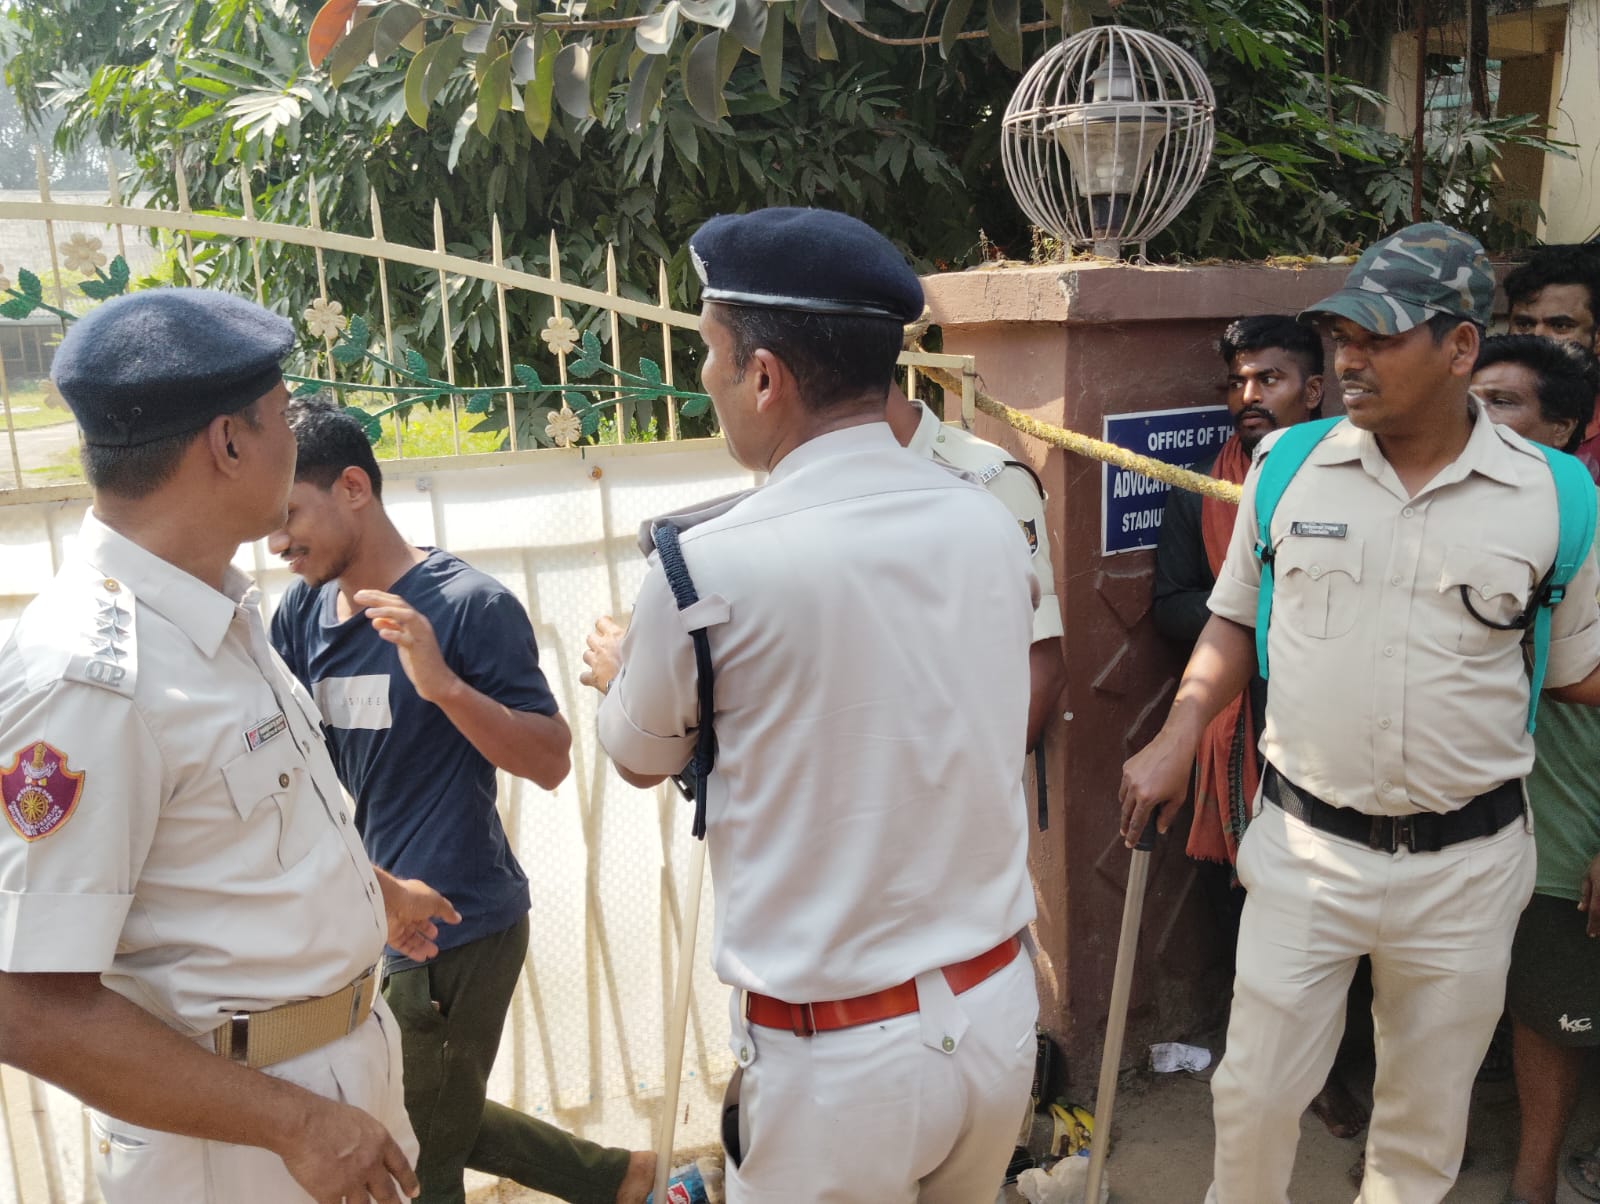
(608, 864)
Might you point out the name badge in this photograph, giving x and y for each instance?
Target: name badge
(275, 725)
(1319, 530)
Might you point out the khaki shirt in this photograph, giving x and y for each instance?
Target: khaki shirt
(172, 818)
(1013, 484)
(865, 820)
(1386, 695)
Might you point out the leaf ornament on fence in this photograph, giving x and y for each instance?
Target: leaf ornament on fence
(579, 401)
(26, 295)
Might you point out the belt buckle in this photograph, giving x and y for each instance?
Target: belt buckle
(358, 990)
(1405, 833)
(239, 1038)
(1384, 836)
(803, 1019)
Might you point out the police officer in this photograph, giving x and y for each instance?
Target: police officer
(864, 820)
(190, 924)
(1391, 821)
(1019, 488)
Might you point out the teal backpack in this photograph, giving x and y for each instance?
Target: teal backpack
(1575, 505)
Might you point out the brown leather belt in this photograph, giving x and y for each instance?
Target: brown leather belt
(805, 1019)
(258, 1039)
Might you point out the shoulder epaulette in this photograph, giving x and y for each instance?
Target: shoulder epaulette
(83, 631)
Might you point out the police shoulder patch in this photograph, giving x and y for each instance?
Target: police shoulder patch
(38, 791)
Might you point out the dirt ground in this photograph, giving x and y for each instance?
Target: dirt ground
(1163, 1145)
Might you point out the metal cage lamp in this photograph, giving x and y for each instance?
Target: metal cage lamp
(1107, 137)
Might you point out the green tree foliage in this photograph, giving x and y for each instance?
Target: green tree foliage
(902, 137)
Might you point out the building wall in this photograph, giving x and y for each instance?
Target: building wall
(1550, 56)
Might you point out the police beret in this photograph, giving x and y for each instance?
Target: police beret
(165, 362)
(812, 260)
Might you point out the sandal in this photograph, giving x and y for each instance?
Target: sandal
(1582, 1171)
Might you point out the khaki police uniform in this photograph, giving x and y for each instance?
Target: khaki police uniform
(865, 820)
(175, 825)
(1387, 698)
(1008, 479)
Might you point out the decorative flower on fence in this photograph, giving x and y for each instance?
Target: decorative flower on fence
(325, 319)
(564, 427)
(5, 281)
(82, 253)
(560, 335)
(52, 395)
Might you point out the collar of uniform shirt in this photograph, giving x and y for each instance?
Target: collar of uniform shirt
(1486, 453)
(191, 605)
(867, 436)
(927, 431)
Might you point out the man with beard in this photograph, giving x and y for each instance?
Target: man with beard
(1274, 380)
(1407, 552)
(428, 678)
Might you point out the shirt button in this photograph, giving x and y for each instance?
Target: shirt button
(949, 1044)
(283, 779)
(1408, 512)
(1384, 722)
(1389, 650)
(111, 585)
(744, 1053)
(1386, 787)
(1395, 580)
(1316, 571)
(343, 818)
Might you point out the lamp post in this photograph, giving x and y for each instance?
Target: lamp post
(1107, 137)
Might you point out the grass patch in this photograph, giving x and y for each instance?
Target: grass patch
(427, 432)
(29, 410)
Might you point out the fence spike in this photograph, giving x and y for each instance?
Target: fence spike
(255, 244)
(444, 324)
(383, 299)
(666, 348)
(505, 333)
(616, 339)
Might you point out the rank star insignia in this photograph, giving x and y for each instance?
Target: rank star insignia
(38, 791)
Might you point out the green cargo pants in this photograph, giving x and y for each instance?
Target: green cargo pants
(451, 1013)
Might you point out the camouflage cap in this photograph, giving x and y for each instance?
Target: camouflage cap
(1407, 278)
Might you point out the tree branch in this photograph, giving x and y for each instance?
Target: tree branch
(634, 22)
(1031, 27)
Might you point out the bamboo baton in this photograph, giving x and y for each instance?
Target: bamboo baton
(1117, 1020)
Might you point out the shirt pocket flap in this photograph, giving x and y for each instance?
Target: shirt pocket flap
(1318, 557)
(257, 776)
(1486, 574)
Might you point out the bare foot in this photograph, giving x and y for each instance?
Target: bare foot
(1340, 1111)
(641, 1177)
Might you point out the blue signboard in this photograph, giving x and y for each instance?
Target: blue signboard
(1131, 503)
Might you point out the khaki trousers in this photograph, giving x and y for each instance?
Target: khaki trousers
(1438, 927)
(142, 1166)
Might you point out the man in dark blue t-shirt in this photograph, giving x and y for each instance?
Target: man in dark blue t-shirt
(427, 676)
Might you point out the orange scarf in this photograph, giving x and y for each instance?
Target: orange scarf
(1226, 773)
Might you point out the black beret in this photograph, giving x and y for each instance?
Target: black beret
(813, 260)
(167, 361)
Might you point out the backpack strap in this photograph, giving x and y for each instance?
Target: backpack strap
(692, 780)
(1575, 512)
(1278, 465)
